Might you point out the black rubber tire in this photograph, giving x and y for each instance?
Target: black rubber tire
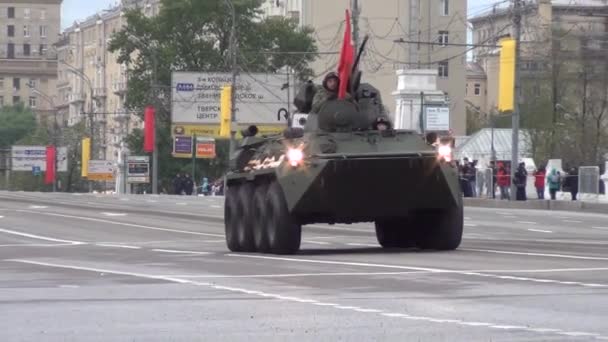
(395, 233)
(260, 234)
(244, 225)
(231, 217)
(284, 233)
(440, 229)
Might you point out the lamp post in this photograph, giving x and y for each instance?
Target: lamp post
(233, 66)
(55, 128)
(153, 83)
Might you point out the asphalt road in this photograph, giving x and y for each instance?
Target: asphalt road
(155, 268)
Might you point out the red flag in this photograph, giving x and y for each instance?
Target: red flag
(149, 129)
(49, 176)
(347, 58)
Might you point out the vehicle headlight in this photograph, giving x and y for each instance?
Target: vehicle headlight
(295, 156)
(445, 153)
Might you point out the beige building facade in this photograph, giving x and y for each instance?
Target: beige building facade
(579, 26)
(439, 22)
(28, 66)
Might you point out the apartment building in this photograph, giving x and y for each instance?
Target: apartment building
(544, 24)
(282, 8)
(440, 22)
(28, 65)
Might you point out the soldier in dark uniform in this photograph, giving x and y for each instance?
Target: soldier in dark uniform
(328, 92)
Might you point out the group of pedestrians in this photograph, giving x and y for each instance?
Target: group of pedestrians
(183, 184)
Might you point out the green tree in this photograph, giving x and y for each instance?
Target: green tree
(194, 35)
(17, 122)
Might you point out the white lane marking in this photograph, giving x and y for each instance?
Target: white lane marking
(540, 231)
(39, 237)
(151, 201)
(124, 199)
(180, 252)
(69, 286)
(565, 256)
(339, 228)
(216, 206)
(316, 242)
(41, 244)
(116, 246)
(123, 224)
(599, 227)
(1, 217)
(572, 221)
(526, 222)
(114, 214)
(330, 262)
(467, 218)
(37, 207)
(363, 244)
(181, 203)
(289, 275)
(300, 300)
(470, 225)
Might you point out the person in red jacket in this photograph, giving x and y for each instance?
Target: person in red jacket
(503, 178)
(539, 182)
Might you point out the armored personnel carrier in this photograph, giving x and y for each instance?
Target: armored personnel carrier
(343, 164)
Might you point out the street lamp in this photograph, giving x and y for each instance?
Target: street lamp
(55, 127)
(233, 121)
(153, 81)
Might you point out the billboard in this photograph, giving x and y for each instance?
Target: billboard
(259, 98)
(182, 147)
(138, 169)
(214, 131)
(101, 170)
(437, 118)
(26, 158)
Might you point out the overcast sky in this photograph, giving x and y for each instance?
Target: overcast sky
(79, 9)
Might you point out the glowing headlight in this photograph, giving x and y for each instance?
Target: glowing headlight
(295, 156)
(445, 152)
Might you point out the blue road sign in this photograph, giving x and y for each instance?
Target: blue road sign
(36, 170)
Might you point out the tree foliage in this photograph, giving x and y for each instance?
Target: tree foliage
(17, 122)
(194, 35)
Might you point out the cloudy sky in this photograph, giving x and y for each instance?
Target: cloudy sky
(79, 9)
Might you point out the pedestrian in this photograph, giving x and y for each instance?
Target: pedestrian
(572, 182)
(188, 185)
(503, 179)
(539, 182)
(554, 182)
(177, 184)
(520, 180)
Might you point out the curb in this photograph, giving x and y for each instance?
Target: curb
(579, 206)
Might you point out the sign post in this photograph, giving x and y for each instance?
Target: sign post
(138, 169)
(101, 170)
(436, 118)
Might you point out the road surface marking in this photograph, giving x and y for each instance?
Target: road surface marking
(316, 242)
(470, 225)
(114, 214)
(289, 275)
(540, 231)
(467, 218)
(151, 201)
(116, 246)
(306, 301)
(181, 203)
(599, 227)
(69, 286)
(180, 252)
(363, 244)
(124, 199)
(565, 256)
(40, 237)
(340, 228)
(526, 222)
(1, 217)
(123, 224)
(41, 244)
(572, 221)
(37, 207)
(216, 206)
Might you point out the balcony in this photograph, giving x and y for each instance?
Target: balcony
(119, 88)
(100, 92)
(76, 98)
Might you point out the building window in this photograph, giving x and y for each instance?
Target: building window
(11, 51)
(43, 14)
(443, 38)
(26, 49)
(1, 83)
(443, 69)
(16, 83)
(26, 13)
(32, 101)
(42, 49)
(43, 31)
(32, 83)
(1, 101)
(11, 13)
(444, 7)
(26, 31)
(477, 89)
(16, 100)
(10, 29)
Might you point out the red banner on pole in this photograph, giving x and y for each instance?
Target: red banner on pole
(149, 128)
(49, 176)
(347, 58)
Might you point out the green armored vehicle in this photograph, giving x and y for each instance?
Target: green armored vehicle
(343, 164)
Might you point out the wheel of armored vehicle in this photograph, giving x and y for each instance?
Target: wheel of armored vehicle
(258, 221)
(244, 224)
(284, 234)
(439, 229)
(231, 217)
(396, 233)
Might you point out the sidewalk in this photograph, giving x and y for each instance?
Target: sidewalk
(595, 206)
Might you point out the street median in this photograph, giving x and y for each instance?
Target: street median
(579, 206)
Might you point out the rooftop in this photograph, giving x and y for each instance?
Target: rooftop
(504, 8)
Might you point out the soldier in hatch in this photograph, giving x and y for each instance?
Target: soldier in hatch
(328, 92)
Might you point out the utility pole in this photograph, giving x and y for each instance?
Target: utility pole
(355, 14)
(233, 66)
(517, 12)
(153, 83)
